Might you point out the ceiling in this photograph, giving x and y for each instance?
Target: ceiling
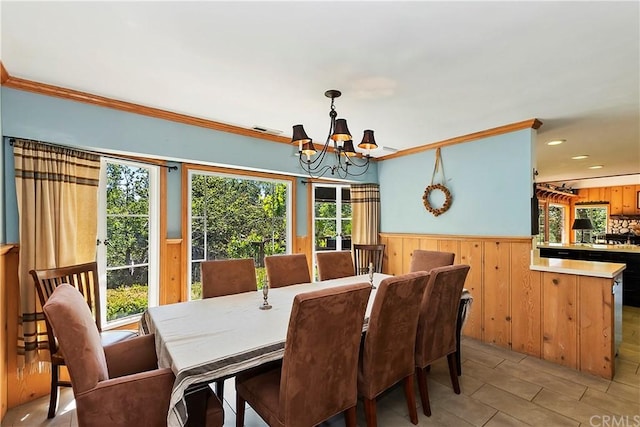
(415, 72)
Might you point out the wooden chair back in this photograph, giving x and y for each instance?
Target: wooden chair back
(363, 255)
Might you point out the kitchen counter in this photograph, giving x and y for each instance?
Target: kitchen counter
(607, 270)
(592, 247)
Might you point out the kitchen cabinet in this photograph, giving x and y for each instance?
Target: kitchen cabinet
(615, 205)
(629, 201)
(560, 330)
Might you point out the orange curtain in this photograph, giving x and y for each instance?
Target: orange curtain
(365, 220)
(57, 192)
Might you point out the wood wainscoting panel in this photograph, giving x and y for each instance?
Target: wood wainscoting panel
(497, 313)
(393, 263)
(526, 300)
(596, 317)
(471, 254)
(428, 244)
(450, 245)
(560, 328)
(172, 288)
(409, 244)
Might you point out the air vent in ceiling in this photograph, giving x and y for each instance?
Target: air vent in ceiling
(264, 129)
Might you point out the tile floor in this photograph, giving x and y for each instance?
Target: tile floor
(499, 388)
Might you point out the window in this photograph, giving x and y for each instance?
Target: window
(556, 223)
(236, 216)
(128, 240)
(331, 217)
(598, 214)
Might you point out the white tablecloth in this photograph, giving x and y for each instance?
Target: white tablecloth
(205, 340)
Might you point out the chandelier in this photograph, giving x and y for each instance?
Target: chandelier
(339, 141)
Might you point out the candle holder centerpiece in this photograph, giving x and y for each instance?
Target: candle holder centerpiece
(265, 295)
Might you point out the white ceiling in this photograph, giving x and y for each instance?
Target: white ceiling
(415, 72)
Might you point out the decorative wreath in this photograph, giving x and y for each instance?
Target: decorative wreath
(447, 202)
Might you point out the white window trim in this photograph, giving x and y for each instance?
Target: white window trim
(154, 241)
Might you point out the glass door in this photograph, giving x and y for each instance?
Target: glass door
(331, 218)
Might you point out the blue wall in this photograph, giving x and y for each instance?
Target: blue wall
(490, 181)
(49, 119)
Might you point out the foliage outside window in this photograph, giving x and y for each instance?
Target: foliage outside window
(332, 217)
(556, 223)
(598, 214)
(127, 251)
(233, 217)
(541, 223)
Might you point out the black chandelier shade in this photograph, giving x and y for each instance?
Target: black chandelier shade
(345, 159)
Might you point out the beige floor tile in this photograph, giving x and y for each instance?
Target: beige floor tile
(567, 373)
(440, 417)
(501, 419)
(626, 366)
(543, 379)
(440, 373)
(491, 349)
(465, 407)
(521, 409)
(628, 378)
(610, 403)
(568, 407)
(624, 391)
(502, 380)
(482, 357)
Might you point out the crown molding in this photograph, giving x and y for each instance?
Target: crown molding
(101, 101)
(4, 75)
(526, 124)
(74, 95)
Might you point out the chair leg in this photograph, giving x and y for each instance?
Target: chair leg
(53, 399)
(220, 390)
(424, 392)
(350, 417)
(453, 372)
(410, 395)
(239, 410)
(370, 412)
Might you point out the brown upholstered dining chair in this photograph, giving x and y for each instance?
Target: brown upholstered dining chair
(388, 352)
(285, 270)
(119, 384)
(83, 277)
(318, 376)
(436, 336)
(334, 264)
(363, 255)
(227, 277)
(422, 260)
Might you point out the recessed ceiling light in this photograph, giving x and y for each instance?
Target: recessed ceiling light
(596, 167)
(580, 157)
(556, 142)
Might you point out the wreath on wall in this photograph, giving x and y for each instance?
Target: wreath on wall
(437, 187)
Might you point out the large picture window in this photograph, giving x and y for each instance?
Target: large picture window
(598, 214)
(236, 216)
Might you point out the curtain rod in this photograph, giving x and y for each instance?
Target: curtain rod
(98, 153)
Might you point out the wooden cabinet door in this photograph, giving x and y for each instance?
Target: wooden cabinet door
(560, 328)
(615, 207)
(525, 302)
(629, 200)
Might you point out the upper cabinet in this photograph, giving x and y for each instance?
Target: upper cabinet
(630, 199)
(623, 200)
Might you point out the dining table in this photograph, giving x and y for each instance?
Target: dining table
(215, 338)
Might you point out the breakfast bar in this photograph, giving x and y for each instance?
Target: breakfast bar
(581, 312)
